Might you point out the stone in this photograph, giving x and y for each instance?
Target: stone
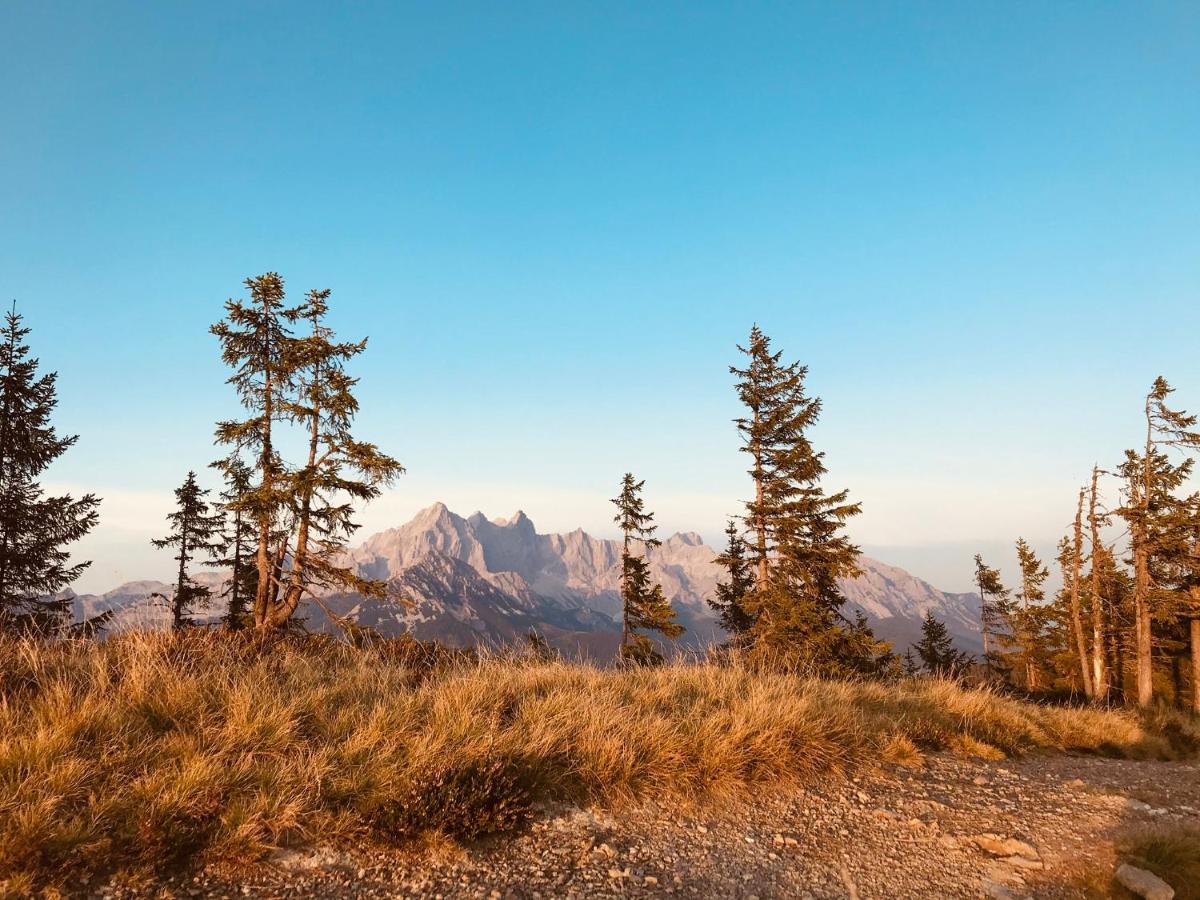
(1145, 884)
(998, 845)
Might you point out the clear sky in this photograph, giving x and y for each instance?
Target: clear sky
(977, 223)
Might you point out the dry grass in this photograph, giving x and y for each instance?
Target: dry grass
(1172, 852)
(147, 750)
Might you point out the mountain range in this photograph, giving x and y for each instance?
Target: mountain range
(476, 580)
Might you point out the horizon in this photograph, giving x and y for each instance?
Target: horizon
(555, 224)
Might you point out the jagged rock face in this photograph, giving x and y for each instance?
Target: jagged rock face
(472, 580)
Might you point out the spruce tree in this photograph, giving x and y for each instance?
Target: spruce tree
(1028, 620)
(34, 529)
(239, 541)
(936, 649)
(303, 513)
(993, 602)
(735, 594)
(195, 531)
(796, 545)
(644, 607)
(1156, 518)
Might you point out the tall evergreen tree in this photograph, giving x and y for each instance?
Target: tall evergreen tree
(1156, 518)
(303, 513)
(797, 545)
(34, 528)
(644, 607)
(1029, 620)
(936, 649)
(258, 344)
(735, 594)
(993, 601)
(239, 541)
(195, 531)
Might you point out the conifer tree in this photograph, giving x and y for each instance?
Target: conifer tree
(195, 530)
(239, 541)
(735, 595)
(797, 545)
(34, 529)
(993, 601)
(936, 649)
(1156, 519)
(644, 607)
(1028, 620)
(303, 513)
(258, 344)
(909, 667)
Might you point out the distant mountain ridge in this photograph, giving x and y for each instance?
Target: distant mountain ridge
(478, 580)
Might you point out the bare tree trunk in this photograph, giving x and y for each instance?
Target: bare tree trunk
(177, 600)
(983, 625)
(266, 463)
(1194, 628)
(1099, 667)
(1141, 576)
(1076, 618)
(624, 599)
(760, 524)
(296, 583)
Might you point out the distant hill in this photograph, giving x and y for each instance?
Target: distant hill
(475, 580)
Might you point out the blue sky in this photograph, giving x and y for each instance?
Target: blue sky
(978, 224)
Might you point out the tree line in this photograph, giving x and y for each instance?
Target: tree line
(1126, 622)
(279, 525)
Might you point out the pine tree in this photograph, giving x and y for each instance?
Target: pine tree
(1155, 519)
(993, 601)
(644, 607)
(258, 344)
(734, 595)
(195, 530)
(1028, 620)
(304, 513)
(909, 666)
(797, 546)
(239, 541)
(34, 529)
(936, 649)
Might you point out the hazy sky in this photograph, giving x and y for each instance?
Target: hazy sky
(978, 224)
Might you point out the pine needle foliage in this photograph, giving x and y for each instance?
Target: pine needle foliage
(287, 380)
(936, 650)
(734, 595)
(993, 600)
(34, 529)
(195, 531)
(238, 543)
(644, 607)
(795, 530)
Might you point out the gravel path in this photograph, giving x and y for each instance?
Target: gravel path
(952, 828)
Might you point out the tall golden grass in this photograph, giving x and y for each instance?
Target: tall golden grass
(148, 749)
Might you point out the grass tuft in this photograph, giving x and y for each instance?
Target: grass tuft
(1172, 852)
